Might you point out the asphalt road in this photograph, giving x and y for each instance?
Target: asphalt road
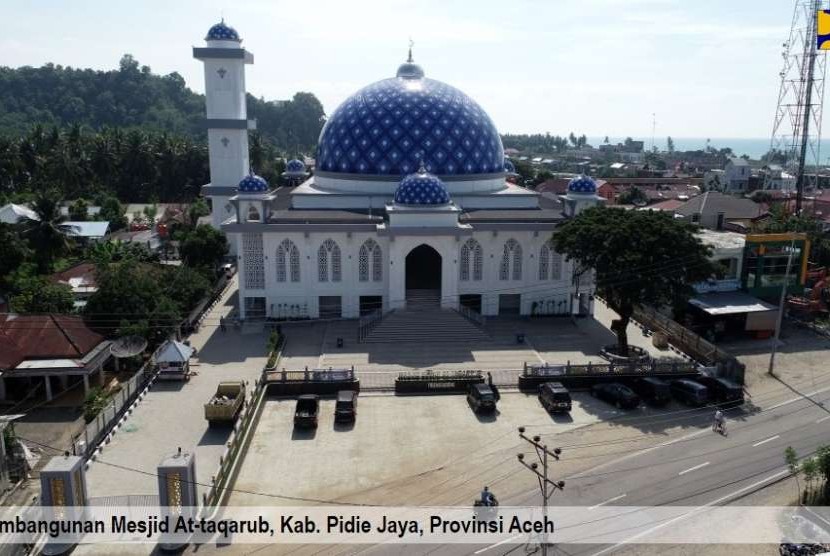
(700, 468)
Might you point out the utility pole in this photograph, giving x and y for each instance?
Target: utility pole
(771, 370)
(546, 485)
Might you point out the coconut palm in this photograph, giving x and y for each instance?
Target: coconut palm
(47, 232)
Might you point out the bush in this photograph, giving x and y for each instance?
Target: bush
(95, 402)
(273, 343)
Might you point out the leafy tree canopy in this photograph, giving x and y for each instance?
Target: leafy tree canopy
(39, 295)
(204, 247)
(639, 258)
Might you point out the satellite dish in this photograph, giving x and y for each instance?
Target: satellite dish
(128, 346)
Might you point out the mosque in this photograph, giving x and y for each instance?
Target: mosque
(409, 204)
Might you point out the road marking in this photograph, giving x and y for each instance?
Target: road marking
(695, 468)
(485, 549)
(787, 402)
(699, 508)
(770, 439)
(823, 419)
(620, 497)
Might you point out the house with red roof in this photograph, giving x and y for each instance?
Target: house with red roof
(49, 353)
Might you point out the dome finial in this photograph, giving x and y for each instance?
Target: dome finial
(423, 169)
(409, 60)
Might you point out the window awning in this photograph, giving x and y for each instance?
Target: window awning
(730, 303)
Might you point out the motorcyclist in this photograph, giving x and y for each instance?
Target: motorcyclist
(720, 421)
(487, 497)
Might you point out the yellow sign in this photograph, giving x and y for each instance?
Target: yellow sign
(823, 30)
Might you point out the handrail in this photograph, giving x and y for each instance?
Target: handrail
(471, 315)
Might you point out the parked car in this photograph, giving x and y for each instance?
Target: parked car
(615, 393)
(652, 390)
(305, 415)
(345, 409)
(482, 398)
(722, 390)
(689, 392)
(554, 397)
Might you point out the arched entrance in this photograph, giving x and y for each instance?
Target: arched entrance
(423, 277)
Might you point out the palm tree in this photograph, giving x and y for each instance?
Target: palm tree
(47, 232)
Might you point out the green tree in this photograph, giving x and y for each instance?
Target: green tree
(39, 295)
(197, 209)
(203, 247)
(13, 252)
(670, 145)
(78, 211)
(127, 295)
(791, 459)
(113, 211)
(47, 232)
(633, 196)
(186, 286)
(639, 258)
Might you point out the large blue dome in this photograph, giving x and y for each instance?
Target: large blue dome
(388, 128)
(222, 32)
(421, 189)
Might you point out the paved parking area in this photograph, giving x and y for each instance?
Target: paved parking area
(401, 450)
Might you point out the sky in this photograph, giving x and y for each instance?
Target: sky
(704, 68)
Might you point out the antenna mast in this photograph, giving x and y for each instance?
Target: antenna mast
(796, 130)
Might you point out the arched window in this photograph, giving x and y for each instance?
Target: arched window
(550, 262)
(370, 250)
(328, 262)
(471, 253)
(288, 262)
(511, 261)
(253, 214)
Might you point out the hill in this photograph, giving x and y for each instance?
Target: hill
(133, 97)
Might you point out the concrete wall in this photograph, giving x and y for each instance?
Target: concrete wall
(306, 292)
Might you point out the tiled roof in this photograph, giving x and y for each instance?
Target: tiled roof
(713, 202)
(25, 337)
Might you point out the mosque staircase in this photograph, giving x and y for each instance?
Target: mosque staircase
(425, 324)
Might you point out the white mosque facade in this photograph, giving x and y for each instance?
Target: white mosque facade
(409, 203)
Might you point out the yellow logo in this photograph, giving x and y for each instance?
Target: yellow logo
(823, 30)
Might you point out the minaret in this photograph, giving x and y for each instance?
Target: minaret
(227, 116)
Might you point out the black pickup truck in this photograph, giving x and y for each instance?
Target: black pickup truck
(305, 415)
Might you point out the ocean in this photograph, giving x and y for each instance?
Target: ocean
(755, 148)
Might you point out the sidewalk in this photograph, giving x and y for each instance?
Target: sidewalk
(171, 415)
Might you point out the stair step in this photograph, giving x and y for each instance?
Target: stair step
(425, 325)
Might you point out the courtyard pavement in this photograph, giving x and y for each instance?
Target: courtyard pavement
(172, 414)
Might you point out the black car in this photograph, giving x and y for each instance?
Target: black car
(305, 415)
(615, 393)
(722, 390)
(482, 398)
(652, 390)
(345, 409)
(554, 397)
(690, 392)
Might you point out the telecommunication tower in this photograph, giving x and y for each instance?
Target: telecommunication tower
(796, 130)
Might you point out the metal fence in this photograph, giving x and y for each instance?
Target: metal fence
(691, 344)
(367, 323)
(97, 430)
(471, 315)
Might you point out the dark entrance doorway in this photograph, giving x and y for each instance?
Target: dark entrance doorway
(370, 304)
(423, 275)
(471, 301)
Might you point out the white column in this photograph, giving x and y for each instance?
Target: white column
(48, 388)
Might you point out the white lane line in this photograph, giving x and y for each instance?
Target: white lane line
(696, 510)
(695, 468)
(770, 439)
(823, 419)
(486, 548)
(787, 402)
(620, 497)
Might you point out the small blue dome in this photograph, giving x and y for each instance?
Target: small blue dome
(508, 166)
(582, 184)
(421, 189)
(222, 32)
(295, 167)
(252, 184)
